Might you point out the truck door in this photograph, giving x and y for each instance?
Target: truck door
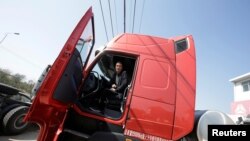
(60, 87)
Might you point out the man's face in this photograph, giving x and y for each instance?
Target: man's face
(118, 67)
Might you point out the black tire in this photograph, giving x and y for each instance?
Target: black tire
(185, 139)
(188, 138)
(13, 120)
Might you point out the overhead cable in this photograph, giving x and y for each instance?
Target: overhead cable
(124, 16)
(104, 21)
(116, 17)
(111, 19)
(141, 15)
(134, 17)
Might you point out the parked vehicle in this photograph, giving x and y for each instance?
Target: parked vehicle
(157, 105)
(13, 107)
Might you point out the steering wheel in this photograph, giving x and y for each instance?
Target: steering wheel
(92, 84)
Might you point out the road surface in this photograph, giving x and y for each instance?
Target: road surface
(29, 135)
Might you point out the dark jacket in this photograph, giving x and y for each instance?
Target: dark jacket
(122, 83)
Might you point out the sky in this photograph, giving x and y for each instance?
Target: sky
(220, 29)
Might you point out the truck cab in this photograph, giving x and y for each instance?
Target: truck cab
(157, 104)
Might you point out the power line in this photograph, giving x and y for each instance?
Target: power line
(23, 58)
(116, 17)
(104, 21)
(124, 16)
(134, 17)
(130, 15)
(141, 15)
(111, 19)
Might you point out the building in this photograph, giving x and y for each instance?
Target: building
(241, 103)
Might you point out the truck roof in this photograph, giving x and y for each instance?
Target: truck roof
(142, 44)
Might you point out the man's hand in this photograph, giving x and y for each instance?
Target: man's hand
(114, 86)
(112, 89)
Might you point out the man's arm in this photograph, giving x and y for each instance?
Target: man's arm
(112, 80)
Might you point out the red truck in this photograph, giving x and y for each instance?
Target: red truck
(157, 105)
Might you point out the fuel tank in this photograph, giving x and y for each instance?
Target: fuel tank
(209, 117)
(203, 118)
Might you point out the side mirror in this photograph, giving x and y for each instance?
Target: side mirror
(97, 52)
(100, 49)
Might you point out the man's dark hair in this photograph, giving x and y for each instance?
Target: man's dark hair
(119, 62)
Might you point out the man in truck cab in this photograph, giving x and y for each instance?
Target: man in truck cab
(118, 83)
(119, 78)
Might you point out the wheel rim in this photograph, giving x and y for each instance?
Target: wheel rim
(19, 124)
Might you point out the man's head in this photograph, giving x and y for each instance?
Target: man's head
(118, 67)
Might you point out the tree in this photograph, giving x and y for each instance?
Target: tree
(17, 80)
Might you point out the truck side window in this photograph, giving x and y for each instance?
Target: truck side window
(85, 42)
(181, 45)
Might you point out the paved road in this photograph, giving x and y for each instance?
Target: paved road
(29, 135)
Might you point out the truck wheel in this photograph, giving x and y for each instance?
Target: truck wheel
(188, 139)
(13, 120)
